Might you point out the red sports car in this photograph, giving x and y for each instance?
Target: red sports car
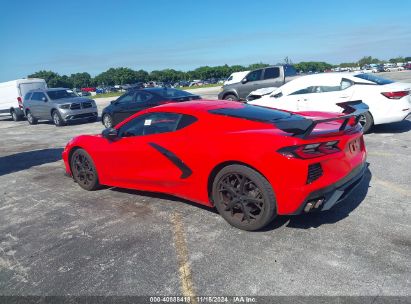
(251, 163)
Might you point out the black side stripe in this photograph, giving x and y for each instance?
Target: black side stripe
(185, 170)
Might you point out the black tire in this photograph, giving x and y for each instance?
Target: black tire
(244, 198)
(57, 120)
(107, 121)
(366, 121)
(230, 97)
(83, 170)
(30, 118)
(15, 116)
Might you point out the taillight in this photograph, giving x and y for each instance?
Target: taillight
(395, 95)
(20, 102)
(310, 150)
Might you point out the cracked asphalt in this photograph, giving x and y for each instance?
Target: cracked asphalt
(57, 239)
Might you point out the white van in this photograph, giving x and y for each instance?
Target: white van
(235, 77)
(12, 94)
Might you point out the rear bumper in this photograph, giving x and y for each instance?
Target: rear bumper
(328, 197)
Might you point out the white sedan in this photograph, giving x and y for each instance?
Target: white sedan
(388, 101)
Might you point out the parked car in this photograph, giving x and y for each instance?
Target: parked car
(407, 66)
(137, 100)
(273, 76)
(58, 105)
(388, 101)
(12, 94)
(236, 77)
(88, 89)
(255, 163)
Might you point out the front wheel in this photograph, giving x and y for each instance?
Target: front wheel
(107, 121)
(244, 198)
(84, 171)
(366, 122)
(30, 118)
(57, 120)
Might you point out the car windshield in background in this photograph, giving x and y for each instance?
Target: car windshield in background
(289, 70)
(172, 93)
(60, 94)
(376, 79)
(255, 113)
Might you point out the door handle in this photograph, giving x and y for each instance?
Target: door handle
(344, 96)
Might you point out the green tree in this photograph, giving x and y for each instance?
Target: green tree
(80, 80)
(368, 60)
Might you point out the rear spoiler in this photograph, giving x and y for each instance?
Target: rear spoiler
(303, 128)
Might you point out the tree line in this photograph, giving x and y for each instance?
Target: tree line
(120, 76)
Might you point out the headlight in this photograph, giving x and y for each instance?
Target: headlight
(65, 106)
(221, 89)
(93, 103)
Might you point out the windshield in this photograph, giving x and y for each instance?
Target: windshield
(172, 93)
(376, 79)
(60, 94)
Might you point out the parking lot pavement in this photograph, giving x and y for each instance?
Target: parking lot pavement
(57, 239)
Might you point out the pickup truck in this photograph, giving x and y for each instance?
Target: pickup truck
(272, 76)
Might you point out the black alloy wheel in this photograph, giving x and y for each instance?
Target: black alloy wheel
(83, 170)
(244, 197)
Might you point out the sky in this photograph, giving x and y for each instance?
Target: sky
(91, 36)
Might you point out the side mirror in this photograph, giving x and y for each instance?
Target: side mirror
(244, 80)
(44, 99)
(113, 101)
(110, 133)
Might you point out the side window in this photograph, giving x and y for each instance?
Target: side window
(325, 89)
(270, 73)
(127, 98)
(304, 91)
(27, 96)
(345, 83)
(143, 96)
(254, 75)
(156, 123)
(37, 96)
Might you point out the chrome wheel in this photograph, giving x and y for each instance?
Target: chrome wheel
(362, 120)
(107, 121)
(56, 119)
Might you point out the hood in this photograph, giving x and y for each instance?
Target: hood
(71, 100)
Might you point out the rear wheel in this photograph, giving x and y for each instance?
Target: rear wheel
(230, 97)
(84, 171)
(30, 118)
(57, 120)
(15, 116)
(243, 197)
(366, 122)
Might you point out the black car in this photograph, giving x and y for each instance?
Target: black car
(140, 99)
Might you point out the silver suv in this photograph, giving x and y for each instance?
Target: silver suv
(59, 105)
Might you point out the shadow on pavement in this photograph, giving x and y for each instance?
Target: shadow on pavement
(395, 127)
(25, 160)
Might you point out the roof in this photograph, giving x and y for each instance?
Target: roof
(49, 89)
